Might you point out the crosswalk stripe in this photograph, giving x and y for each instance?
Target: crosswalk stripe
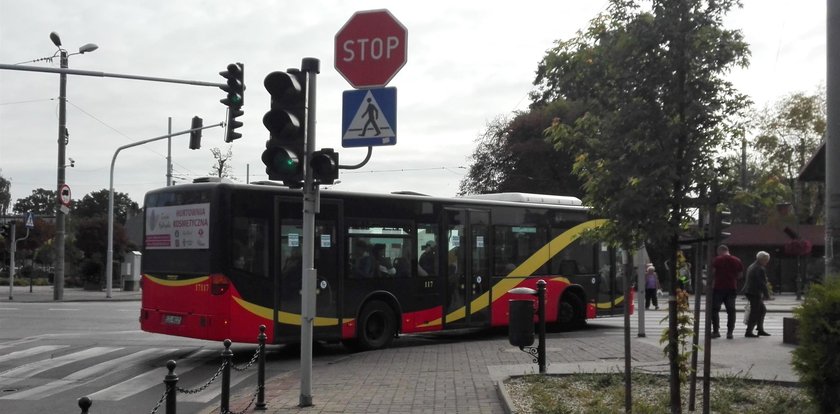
(147, 380)
(79, 377)
(29, 352)
(31, 369)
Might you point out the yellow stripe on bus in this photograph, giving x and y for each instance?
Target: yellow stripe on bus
(177, 283)
(282, 317)
(527, 268)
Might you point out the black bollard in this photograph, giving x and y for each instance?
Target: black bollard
(541, 322)
(171, 381)
(84, 404)
(227, 356)
(261, 371)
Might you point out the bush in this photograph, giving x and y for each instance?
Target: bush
(817, 360)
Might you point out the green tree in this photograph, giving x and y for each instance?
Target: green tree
(5, 195)
(789, 132)
(91, 235)
(658, 111)
(41, 202)
(95, 205)
(513, 156)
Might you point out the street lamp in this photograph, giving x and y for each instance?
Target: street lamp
(58, 290)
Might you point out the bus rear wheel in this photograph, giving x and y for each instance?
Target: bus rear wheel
(571, 313)
(376, 326)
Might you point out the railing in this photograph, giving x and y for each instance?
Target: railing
(172, 389)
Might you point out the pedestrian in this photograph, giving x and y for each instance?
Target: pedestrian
(727, 270)
(651, 286)
(755, 288)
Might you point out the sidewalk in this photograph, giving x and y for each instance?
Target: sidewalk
(22, 294)
(467, 377)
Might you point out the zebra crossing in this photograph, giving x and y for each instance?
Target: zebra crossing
(103, 373)
(656, 321)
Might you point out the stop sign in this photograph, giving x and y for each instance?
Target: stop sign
(370, 48)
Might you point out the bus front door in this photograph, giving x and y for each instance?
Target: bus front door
(467, 268)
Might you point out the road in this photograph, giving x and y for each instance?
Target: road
(53, 353)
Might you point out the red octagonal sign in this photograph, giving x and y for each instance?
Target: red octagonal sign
(370, 48)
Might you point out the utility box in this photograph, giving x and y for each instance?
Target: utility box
(521, 323)
(131, 271)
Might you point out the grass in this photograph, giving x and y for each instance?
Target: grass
(604, 393)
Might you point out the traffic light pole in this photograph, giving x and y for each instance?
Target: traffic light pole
(109, 256)
(311, 67)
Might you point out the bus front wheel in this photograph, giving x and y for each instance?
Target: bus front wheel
(376, 326)
(572, 313)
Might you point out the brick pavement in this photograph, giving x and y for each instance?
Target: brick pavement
(451, 377)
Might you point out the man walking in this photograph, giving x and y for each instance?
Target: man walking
(755, 288)
(727, 270)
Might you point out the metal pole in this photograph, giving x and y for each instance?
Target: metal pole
(12, 249)
(832, 143)
(628, 395)
(60, 224)
(311, 67)
(169, 155)
(541, 324)
(109, 256)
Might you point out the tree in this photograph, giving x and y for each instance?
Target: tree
(91, 235)
(5, 195)
(41, 202)
(95, 205)
(512, 155)
(789, 133)
(658, 110)
(221, 167)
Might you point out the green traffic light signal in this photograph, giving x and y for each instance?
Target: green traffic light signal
(285, 121)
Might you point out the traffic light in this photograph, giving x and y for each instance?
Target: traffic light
(195, 136)
(235, 88)
(324, 164)
(724, 220)
(6, 230)
(286, 121)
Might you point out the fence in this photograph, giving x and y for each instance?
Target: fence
(172, 389)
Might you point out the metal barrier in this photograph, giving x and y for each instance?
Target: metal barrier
(172, 389)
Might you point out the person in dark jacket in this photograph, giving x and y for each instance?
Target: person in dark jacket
(727, 270)
(755, 288)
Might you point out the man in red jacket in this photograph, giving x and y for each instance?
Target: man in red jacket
(727, 270)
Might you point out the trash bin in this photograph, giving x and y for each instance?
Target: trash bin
(521, 323)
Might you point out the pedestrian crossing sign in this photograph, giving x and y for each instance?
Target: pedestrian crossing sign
(369, 117)
(29, 220)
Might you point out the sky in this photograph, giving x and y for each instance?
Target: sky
(468, 63)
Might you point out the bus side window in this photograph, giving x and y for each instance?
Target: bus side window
(427, 262)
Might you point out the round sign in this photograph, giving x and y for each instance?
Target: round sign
(371, 48)
(64, 195)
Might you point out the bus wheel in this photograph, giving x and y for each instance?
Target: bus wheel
(376, 326)
(571, 313)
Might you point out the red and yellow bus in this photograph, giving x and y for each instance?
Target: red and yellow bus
(220, 259)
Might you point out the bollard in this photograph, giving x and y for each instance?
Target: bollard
(227, 356)
(541, 321)
(261, 371)
(84, 404)
(171, 381)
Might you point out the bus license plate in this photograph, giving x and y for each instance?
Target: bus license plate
(172, 320)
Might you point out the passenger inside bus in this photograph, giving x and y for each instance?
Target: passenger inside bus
(362, 262)
(382, 265)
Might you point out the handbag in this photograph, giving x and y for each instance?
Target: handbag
(746, 314)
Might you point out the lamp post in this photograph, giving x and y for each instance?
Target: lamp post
(58, 290)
